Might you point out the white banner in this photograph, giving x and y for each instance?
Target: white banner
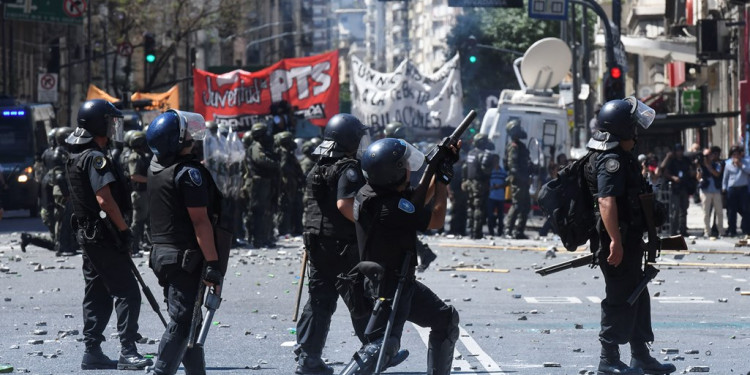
(407, 96)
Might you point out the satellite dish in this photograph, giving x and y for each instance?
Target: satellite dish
(545, 63)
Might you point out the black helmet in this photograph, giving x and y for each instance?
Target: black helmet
(482, 142)
(61, 134)
(137, 139)
(100, 118)
(395, 130)
(385, 162)
(514, 129)
(343, 135)
(247, 139)
(285, 139)
(258, 131)
(616, 118)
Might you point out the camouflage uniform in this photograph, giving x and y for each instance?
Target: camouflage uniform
(265, 171)
(518, 166)
(289, 218)
(477, 171)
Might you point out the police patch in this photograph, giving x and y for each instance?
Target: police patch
(612, 165)
(195, 176)
(351, 175)
(406, 206)
(100, 162)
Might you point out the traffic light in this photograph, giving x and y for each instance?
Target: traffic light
(149, 47)
(471, 45)
(614, 83)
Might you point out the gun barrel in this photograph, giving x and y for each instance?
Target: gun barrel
(464, 125)
(572, 263)
(648, 274)
(206, 326)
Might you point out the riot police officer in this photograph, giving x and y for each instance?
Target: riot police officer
(289, 218)
(396, 130)
(97, 193)
(64, 238)
(517, 164)
(185, 204)
(138, 161)
(478, 169)
(614, 178)
(388, 214)
(265, 173)
(309, 159)
(329, 237)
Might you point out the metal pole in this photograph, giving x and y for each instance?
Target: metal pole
(609, 38)
(68, 48)
(407, 42)
(585, 71)
(88, 45)
(577, 110)
(106, 60)
(5, 55)
(11, 73)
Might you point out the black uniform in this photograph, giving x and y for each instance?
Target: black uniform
(106, 272)
(331, 243)
(616, 173)
(172, 189)
(387, 223)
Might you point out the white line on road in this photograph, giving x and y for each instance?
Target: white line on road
(740, 280)
(487, 362)
(560, 300)
(727, 276)
(682, 300)
(463, 364)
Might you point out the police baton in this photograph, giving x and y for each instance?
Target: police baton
(146, 291)
(300, 286)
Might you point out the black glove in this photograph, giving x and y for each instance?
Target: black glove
(450, 156)
(444, 173)
(126, 240)
(213, 275)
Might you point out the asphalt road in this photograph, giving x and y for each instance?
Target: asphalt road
(511, 322)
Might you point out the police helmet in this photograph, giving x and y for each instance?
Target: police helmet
(247, 139)
(385, 162)
(51, 140)
(61, 134)
(167, 133)
(212, 127)
(137, 139)
(514, 129)
(100, 118)
(619, 117)
(395, 130)
(344, 135)
(285, 139)
(482, 142)
(258, 131)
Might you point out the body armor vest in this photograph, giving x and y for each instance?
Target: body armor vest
(170, 221)
(322, 216)
(83, 196)
(474, 161)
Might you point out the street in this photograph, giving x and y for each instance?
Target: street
(511, 322)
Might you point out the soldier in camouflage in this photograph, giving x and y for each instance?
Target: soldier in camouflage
(476, 172)
(518, 166)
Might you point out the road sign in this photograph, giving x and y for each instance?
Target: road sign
(691, 101)
(68, 12)
(47, 88)
(548, 9)
(124, 49)
(486, 3)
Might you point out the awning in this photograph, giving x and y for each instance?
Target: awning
(669, 50)
(670, 123)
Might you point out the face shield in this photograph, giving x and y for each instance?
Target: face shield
(414, 158)
(191, 122)
(116, 129)
(642, 113)
(364, 142)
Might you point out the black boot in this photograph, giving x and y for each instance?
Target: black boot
(643, 360)
(131, 360)
(610, 364)
(426, 256)
(312, 366)
(94, 359)
(25, 239)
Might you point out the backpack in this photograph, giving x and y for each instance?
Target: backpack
(569, 206)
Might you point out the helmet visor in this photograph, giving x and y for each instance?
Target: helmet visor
(193, 123)
(644, 114)
(414, 157)
(116, 129)
(364, 142)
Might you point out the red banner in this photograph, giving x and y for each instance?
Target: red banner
(240, 98)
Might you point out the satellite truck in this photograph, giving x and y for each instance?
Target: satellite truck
(542, 112)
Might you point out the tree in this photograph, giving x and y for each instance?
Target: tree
(506, 28)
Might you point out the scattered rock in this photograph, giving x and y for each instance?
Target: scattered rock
(669, 351)
(39, 332)
(467, 299)
(551, 364)
(692, 351)
(68, 315)
(578, 326)
(40, 324)
(723, 300)
(35, 342)
(523, 317)
(697, 369)
(545, 332)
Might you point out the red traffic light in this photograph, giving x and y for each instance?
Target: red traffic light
(615, 72)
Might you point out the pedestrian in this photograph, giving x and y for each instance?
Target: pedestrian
(679, 173)
(98, 195)
(518, 165)
(185, 206)
(735, 184)
(388, 214)
(289, 217)
(496, 201)
(330, 238)
(613, 176)
(477, 171)
(265, 172)
(709, 175)
(139, 160)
